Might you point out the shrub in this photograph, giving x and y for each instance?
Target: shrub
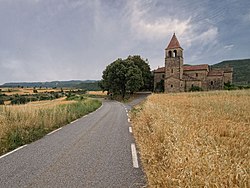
(195, 88)
(1, 102)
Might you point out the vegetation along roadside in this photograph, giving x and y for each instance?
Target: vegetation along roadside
(195, 139)
(22, 124)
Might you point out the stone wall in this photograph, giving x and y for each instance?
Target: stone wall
(215, 82)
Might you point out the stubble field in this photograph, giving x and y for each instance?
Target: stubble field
(195, 139)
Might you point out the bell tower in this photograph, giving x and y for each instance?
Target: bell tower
(174, 58)
(173, 66)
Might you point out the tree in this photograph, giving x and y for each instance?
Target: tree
(146, 73)
(134, 79)
(159, 86)
(121, 76)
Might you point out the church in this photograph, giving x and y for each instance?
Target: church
(178, 77)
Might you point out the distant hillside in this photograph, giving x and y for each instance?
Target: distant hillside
(241, 70)
(87, 84)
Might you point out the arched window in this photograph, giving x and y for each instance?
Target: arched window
(212, 83)
(175, 53)
(172, 86)
(172, 70)
(169, 53)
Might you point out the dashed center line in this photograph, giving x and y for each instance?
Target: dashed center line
(12, 151)
(134, 156)
(128, 120)
(130, 129)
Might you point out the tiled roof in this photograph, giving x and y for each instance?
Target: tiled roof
(160, 70)
(195, 67)
(215, 73)
(174, 43)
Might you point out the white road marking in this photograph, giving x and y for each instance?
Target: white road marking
(74, 121)
(54, 131)
(12, 151)
(130, 129)
(91, 112)
(127, 114)
(128, 120)
(134, 156)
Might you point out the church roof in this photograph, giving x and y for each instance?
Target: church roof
(160, 70)
(195, 67)
(174, 43)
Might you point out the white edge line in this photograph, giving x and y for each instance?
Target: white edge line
(12, 151)
(93, 111)
(130, 129)
(134, 156)
(54, 131)
(74, 121)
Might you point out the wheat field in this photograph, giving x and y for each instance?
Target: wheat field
(195, 139)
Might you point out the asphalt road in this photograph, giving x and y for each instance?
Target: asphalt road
(94, 151)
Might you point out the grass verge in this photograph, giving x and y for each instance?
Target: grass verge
(23, 124)
(195, 139)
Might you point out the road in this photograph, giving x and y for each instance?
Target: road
(94, 151)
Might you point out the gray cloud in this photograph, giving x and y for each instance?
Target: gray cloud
(44, 40)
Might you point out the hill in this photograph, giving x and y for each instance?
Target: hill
(87, 84)
(241, 70)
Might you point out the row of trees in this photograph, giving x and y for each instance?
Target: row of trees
(127, 76)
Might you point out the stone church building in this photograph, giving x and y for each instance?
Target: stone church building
(178, 77)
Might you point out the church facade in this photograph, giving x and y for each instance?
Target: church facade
(178, 77)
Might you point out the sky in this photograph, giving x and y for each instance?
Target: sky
(48, 40)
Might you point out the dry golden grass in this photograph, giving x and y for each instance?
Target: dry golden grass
(25, 115)
(195, 139)
(97, 93)
(21, 124)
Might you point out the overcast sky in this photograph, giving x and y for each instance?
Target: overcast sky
(45, 40)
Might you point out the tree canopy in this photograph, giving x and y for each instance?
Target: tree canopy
(128, 75)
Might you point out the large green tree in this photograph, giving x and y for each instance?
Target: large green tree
(122, 76)
(146, 73)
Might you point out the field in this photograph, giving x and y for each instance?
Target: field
(195, 139)
(97, 93)
(22, 124)
(25, 91)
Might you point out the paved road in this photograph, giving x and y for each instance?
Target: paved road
(94, 151)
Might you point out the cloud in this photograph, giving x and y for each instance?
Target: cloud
(153, 29)
(229, 47)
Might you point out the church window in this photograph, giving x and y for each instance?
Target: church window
(175, 53)
(196, 74)
(170, 53)
(172, 86)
